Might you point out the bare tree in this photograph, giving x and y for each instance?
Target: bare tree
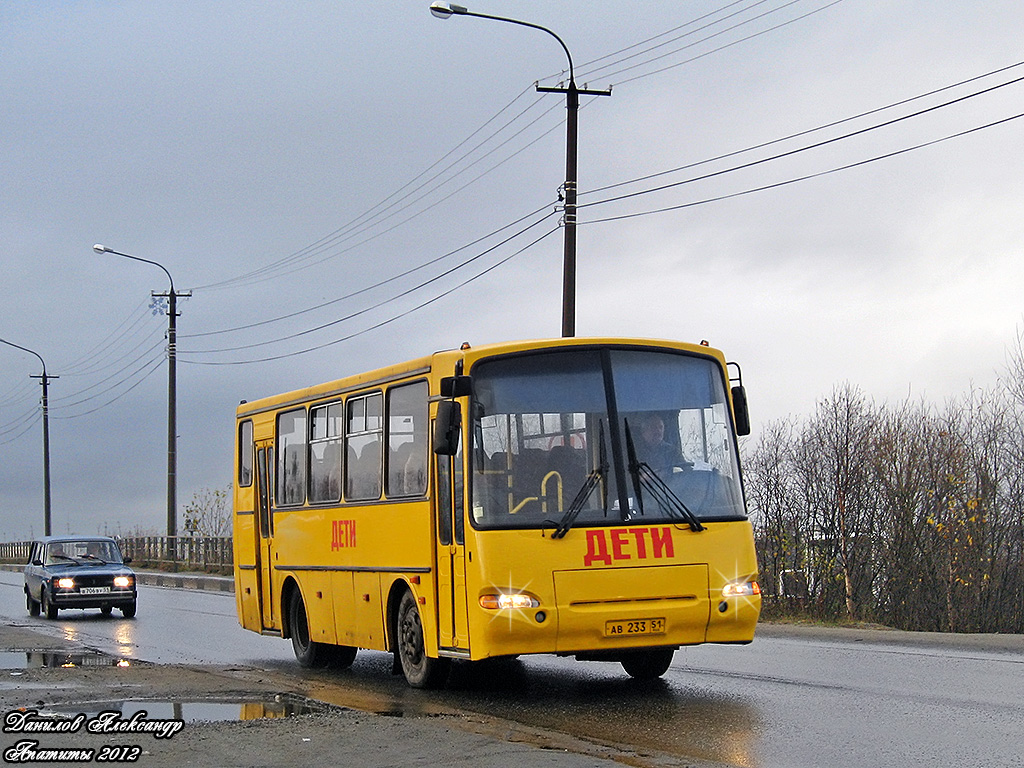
(209, 512)
(910, 515)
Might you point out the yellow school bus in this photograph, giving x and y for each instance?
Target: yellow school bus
(579, 497)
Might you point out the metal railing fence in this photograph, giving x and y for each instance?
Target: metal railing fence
(177, 552)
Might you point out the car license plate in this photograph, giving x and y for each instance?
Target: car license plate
(634, 627)
(94, 590)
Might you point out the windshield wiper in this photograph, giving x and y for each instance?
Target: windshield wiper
(595, 478)
(645, 477)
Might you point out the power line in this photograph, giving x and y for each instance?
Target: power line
(156, 364)
(16, 394)
(29, 426)
(360, 222)
(373, 216)
(716, 50)
(379, 304)
(806, 132)
(90, 357)
(389, 320)
(806, 148)
(16, 423)
(60, 401)
(787, 182)
(366, 289)
(592, 73)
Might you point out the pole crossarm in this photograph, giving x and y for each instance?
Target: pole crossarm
(580, 91)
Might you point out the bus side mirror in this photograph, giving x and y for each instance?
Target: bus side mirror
(456, 386)
(740, 411)
(447, 426)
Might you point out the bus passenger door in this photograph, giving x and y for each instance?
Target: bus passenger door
(264, 560)
(453, 620)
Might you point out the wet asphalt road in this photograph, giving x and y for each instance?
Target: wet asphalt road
(805, 700)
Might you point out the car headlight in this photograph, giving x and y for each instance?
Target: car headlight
(122, 581)
(66, 583)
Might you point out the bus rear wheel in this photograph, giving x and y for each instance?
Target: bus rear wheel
(309, 652)
(648, 665)
(420, 670)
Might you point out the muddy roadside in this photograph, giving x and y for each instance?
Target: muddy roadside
(240, 716)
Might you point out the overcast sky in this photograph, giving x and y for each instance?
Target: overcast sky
(279, 156)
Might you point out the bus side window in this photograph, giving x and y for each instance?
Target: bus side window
(325, 450)
(364, 447)
(291, 455)
(407, 440)
(245, 454)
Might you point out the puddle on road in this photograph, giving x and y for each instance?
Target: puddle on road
(206, 710)
(52, 659)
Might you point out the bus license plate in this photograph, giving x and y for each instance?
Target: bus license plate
(94, 590)
(634, 627)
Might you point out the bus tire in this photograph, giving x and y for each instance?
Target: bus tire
(648, 665)
(309, 653)
(420, 670)
(341, 656)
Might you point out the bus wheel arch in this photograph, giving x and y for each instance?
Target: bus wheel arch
(408, 646)
(295, 625)
(308, 652)
(289, 588)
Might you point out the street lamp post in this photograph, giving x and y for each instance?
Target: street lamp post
(172, 396)
(572, 102)
(44, 379)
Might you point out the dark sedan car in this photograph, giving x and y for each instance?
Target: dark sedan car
(78, 572)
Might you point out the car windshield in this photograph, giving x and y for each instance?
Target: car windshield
(82, 551)
(579, 430)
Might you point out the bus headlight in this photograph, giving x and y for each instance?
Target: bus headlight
(122, 581)
(502, 601)
(741, 589)
(66, 583)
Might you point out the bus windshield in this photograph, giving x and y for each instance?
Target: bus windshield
(582, 428)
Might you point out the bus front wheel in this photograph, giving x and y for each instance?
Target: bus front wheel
(648, 665)
(420, 670)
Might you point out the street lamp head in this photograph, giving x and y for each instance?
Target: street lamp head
(444, 10)
(100, 248)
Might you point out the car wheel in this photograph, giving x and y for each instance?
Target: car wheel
(32, 605)
(128, 610)
(47, 607)
(420, 670)
(648, 665)
(106, 610)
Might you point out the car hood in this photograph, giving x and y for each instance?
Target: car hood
(98, 569)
